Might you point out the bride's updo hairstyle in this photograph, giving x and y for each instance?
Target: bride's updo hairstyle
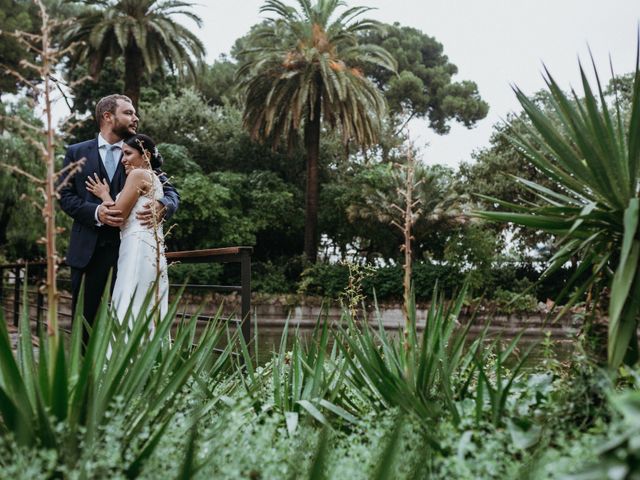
(146, 146)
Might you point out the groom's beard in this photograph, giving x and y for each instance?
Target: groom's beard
(124, 131)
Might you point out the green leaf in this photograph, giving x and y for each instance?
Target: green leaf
(312, 410)
(625, 289)
(524, 433)
(628, 403)
(628, 260)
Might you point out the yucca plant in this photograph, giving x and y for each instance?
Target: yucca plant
(425, 380)
(304, 379)
(495, 380)
(63, 400)
(592, 154)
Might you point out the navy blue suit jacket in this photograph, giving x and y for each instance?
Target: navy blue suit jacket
(81, 205)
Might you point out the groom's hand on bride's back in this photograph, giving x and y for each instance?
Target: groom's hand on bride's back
(109, 215)
(151, 214)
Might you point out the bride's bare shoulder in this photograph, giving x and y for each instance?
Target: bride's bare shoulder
(141, 178)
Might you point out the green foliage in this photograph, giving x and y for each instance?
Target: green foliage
(620, 456)
(424, 87)
(217, 83)
(515, 300)
(63, 401)
(472, 249)
(200, 273)
(594, 163)
(502, 284)
(494, 387)
(20, 219)
(15, 15)
(305, 71)
(411, 373)
(270, 421)
(177, 161)
(306, 60)
(324, 279)
(178, 119)
(304, 381)
(270, 277)
(213, 136)
(143, 32)
(154, 87)
(491, 175)
(358, 200)
(226, 208)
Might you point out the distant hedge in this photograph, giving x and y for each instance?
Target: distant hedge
(331, 280)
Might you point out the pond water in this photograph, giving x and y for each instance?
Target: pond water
(560, 347)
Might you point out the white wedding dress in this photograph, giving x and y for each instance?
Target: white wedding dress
(141, 261)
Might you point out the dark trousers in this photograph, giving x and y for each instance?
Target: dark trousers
(95, 276)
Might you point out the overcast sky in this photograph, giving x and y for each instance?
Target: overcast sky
(494, 43)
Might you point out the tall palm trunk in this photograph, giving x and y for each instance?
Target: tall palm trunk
(312, 145)
(133, 70)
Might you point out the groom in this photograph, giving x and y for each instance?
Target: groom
(95, 234)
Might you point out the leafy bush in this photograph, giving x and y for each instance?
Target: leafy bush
(502, 283)
(269, 277)
(65, 400)
(202, 274)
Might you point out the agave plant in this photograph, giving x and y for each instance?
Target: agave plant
(592, 154)
(63, 400)
(497, 380)
(304, 379)
(422, 380)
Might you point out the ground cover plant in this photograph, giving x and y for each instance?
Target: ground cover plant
(372, 405)
(354, 400)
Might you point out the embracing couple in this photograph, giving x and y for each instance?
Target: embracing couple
(118, 200)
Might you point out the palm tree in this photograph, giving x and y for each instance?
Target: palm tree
(143, 31)
(305, 70)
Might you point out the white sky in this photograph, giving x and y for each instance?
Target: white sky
(495, 43)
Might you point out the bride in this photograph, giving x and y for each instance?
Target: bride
(141, 261)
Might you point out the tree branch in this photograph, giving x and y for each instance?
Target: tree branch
(15, 169)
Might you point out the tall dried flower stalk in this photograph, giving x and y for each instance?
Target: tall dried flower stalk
(159, 240)
(409, 211)
(48, 56)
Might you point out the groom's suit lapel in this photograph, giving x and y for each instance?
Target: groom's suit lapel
(94, 163)
(117, 183)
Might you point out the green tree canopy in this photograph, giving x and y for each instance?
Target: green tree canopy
(14, 15)
(217, 82)
(20, 219)
(424, 87)
(144, 32)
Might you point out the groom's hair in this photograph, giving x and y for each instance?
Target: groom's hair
(109, 104)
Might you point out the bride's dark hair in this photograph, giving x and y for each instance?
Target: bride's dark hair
(144, 144)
